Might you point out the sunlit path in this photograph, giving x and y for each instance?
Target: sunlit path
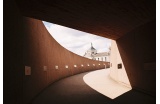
(73, 90)
(100, 81)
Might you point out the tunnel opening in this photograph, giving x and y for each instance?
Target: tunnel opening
(81, 43)
(68, 38)
(29, 48)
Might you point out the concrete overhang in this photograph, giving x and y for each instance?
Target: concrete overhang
(108, 18)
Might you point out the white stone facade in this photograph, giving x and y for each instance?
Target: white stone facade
(92, 54)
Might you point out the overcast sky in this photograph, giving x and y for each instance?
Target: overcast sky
(77, 41)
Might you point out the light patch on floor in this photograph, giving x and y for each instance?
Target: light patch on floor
(100, 81)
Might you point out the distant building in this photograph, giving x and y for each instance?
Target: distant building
(92, 54)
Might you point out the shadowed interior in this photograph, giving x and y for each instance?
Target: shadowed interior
(108, 18)
(27, 42)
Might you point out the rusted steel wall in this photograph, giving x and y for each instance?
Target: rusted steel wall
(41, 50)
(28, 43)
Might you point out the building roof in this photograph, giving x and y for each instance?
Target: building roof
(95, 54)
(101, 54)
(92, 48)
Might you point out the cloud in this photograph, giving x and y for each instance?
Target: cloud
(77, 41)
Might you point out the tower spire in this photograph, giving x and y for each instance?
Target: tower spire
(91, 44)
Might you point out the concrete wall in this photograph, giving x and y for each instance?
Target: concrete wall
(138, 52)
(116, 74)
(12, 54)
(40, 50)
(28, 43)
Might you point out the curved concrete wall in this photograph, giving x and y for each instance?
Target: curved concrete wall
(28, 43)
(40, 50)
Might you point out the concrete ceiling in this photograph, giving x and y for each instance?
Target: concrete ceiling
(108, 18)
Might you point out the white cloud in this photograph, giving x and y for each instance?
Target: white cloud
(77, 41)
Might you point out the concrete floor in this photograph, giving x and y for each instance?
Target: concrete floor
(101, 81)
(73, 90)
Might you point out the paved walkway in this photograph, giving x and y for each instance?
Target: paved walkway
(100, 81)
(73, 90)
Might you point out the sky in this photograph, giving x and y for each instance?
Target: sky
(77, 41)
